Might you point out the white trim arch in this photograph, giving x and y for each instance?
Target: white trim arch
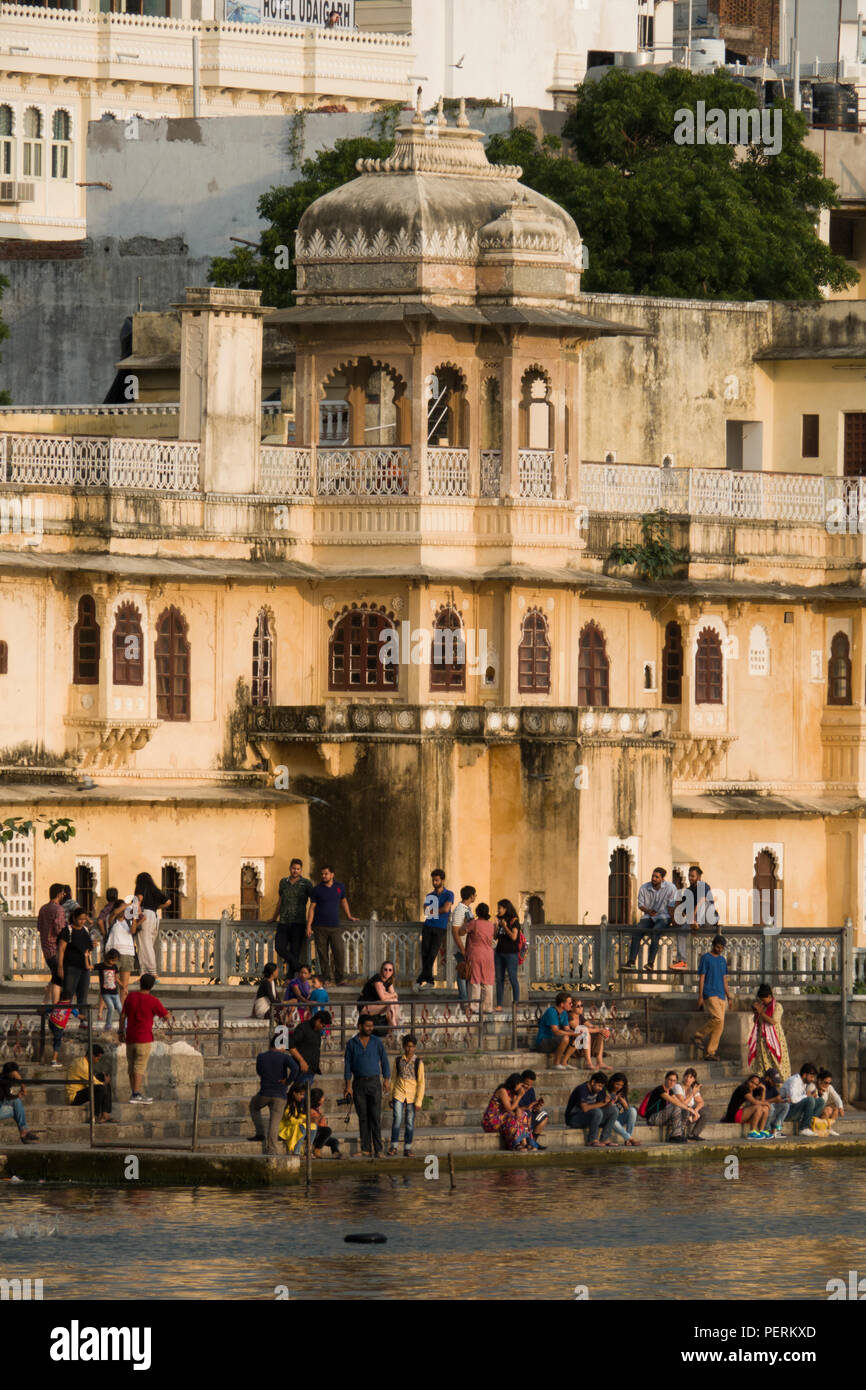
(92, 862)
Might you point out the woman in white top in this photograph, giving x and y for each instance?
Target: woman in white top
(124, 927)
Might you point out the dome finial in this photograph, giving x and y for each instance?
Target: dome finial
(463, 119)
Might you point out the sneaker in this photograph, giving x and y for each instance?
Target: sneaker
(756, 1134)
(629, 965)
(765, 1134)
(678, 965)
(415, 987)
(835, 1132)
(56, 1064)
(777, 1132)
(29, 1137)
(560, 1067)
(806, 1134)
(677, 1139)
(136, 1098)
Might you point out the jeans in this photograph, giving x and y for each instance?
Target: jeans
(290, 945)
(402, 1107)
(462, 991)
(803, 1112)
(652, 927)
(367, 1094)
(276, 1105)
(112, 1003)
(778, 1114)
(624, 1126)
(330, 939)
(14, 1109)
(324, 1139)
(76, 984)
(431, 942)
(101, 1099)
(503, 964)
(594, 1120)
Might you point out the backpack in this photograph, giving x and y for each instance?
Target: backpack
(522, 947)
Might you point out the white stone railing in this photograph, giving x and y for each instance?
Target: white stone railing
(535, 467)
(448, 472)
(121, 408)
(363, 472)
(633, 489)
(160, 465)
(285, 471)
(491, 472)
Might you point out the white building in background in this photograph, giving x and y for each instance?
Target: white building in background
(64, 65)
(534, 50)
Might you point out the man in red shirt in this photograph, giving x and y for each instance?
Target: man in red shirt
(50, 923)
(140, 1008)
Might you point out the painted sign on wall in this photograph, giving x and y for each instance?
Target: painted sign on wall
(316, 14)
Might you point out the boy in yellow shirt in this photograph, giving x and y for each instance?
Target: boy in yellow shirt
(407, 1095)
(78, 1087)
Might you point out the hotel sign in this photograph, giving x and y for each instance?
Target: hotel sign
(305, 14)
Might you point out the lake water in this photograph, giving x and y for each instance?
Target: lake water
(782, 1230)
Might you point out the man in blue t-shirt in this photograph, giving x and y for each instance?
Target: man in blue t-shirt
(713, 991)
(590, 1108)
(327, 899)
(554, 1034)
(437, 915)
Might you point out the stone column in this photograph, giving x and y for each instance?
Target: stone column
(511, 443)
(221, 384)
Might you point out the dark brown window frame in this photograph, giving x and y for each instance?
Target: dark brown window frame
(170, 884)
(263, 662)
(447, 675)
(86, 627)
(673, 665)
(127, 623)
(593, 668)
(173, 685)
(344, 662)
(534, 655)
(709, 668)
(620, 891)
(839, 671)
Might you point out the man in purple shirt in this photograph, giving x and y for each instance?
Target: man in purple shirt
(323, 922)
(50, 923)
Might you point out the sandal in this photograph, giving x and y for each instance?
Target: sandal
(392, 1152)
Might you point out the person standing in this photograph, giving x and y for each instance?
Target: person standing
(136, 1030)
(407, 1095)
(437, 915)
(74, 961)
(124, 924)
(326, 901)
(107, 970)
(103, 917)
(506, 958)
(290, 914)
(274, 1068)
(656, 901)
(366, 1072)
(694, 908)
(305, 1046)
(151, 900)
(459, 917)
(50, 923)
(713, 991)
(767, 1046)
(479, 952)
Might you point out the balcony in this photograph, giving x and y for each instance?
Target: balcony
(312, 63)
(470, 723)
(155, 465)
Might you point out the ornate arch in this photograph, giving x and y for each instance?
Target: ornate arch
(378, 363)
(181, 866)
(537, 369)
(356, 659)
(364, 607)
(258, 868)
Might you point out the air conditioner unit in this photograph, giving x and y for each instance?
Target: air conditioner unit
(11, 192)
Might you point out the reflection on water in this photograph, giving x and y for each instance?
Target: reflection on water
(780, 1231)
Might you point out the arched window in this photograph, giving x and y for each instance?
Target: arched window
(364, 405)
(61, 148)
(447, 424)
(171, 889)
(355, 652)
(262, 661)
(593, 677)
(250, 896)
(127, 646)
(672, 666)
(619, 889)
(7, 147)
(839, 671)
(4, 658)
(533, 655)
(32, 163)
(172, 667)
(764, 890)
(85, 643)
(448, 655)
(709, 677)
(535, 908)
(84, 887)
(536, 412)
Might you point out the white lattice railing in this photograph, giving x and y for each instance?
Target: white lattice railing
(448, 472)
(536, 472)
(163, 465)
(632, 489)
(285, 471)
(491, 472)
(363, 472)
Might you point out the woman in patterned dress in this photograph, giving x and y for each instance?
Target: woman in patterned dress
(768, 1047)
(504, 1117)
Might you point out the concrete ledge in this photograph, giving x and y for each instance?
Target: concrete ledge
(166, 1168)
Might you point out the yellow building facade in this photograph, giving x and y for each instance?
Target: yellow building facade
(401, 639)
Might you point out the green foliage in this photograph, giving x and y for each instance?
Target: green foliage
(386, 118)
(5, 398)
(58, 830)
(297, 131)
(683, 221)
(655, 556)
(268, 268)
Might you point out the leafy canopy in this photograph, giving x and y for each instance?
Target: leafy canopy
(273, 271)
(684, 221)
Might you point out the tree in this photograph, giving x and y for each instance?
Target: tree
(4, 333)
(702, 221)
(271, 266)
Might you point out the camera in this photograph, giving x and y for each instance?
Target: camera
(344, 1100)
